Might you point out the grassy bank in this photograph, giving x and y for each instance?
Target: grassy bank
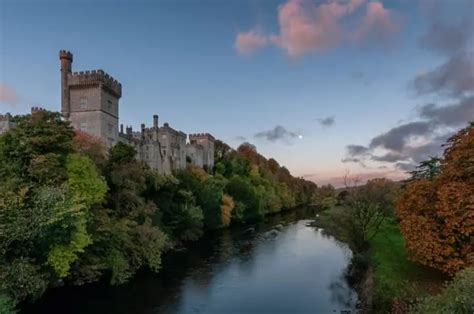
(395, 276)
(396, 280)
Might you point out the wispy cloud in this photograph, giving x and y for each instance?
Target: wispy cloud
(307, 27)
(240, 138)
(329, 121)
(247, 43)
(276, 134)
(8, 95)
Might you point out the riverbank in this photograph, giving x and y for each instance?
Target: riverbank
(385, 279)
(281, 264)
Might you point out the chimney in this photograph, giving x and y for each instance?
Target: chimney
(121, 128)
(155, 121)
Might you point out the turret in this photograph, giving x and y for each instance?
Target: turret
(155, 121)
(65, 58)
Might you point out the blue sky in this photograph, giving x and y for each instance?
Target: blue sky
(179, 59)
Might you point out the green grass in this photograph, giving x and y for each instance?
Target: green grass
(395, 276)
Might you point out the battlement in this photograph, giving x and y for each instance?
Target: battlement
(166, 127)
(36, 109)
(65, 54)
(197, 136)
(94, 78)
(6, 117)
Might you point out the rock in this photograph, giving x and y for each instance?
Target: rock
(271, 233)
(279, 227)
(249, 230)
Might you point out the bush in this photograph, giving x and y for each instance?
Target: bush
(457, 297)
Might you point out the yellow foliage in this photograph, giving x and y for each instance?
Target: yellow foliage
(227, 206)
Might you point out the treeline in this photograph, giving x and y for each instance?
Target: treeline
(71, 212)
(405, 232)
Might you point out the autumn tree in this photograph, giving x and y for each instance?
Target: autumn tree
(437, 215)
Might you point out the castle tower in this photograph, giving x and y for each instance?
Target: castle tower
(90, 100)
(66, 60)
(206, 141)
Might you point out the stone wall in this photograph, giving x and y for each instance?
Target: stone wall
(6, 122)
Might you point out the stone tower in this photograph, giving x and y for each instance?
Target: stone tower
(66, 60)
(206, 141)
(90, 100)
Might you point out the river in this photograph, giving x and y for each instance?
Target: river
(283, 265)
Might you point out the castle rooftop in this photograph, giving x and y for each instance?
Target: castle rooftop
(94, 78)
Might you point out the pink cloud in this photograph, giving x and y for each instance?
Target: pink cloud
(248, 42)
(306, 27)
(8, 95)
(378, 21)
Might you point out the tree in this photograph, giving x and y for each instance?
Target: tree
(45, 197)
(226, 209)
(428, 169)
(88, 145)
(437, 215)
(365, 208)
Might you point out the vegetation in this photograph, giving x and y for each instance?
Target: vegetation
(432, 231)
(72, 212)
(457, 297)
(395, 276)
(436, 210)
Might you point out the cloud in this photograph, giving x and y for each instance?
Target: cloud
(404, 166)
(240, 138)
(306, 27)
(447, 39)
(406, 145)
(247, 43)
(329, 121)
(396, 138)
(455, 77)
(378, 23)
(351, 159)
(276, 134)
(8, 95)
(390, 157)
(356, 150)
(452, 115)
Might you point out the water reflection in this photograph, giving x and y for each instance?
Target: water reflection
(281, 266)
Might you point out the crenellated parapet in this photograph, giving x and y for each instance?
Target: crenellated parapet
(95, 78)
(65, 54)
(36, 109)
(6, 117)
(198, 136)
(166, 127)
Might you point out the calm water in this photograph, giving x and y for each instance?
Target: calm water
(297, 269)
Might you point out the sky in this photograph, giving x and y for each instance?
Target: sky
(326, 87)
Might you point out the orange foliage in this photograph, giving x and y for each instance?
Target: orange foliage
(89, 145)
(437, 216)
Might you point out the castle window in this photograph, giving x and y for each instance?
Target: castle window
(109, 104)
(83, 103)
(83, 126)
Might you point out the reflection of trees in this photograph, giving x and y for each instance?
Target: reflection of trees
(342, 294)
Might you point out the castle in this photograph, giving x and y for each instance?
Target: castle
(90, 101)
